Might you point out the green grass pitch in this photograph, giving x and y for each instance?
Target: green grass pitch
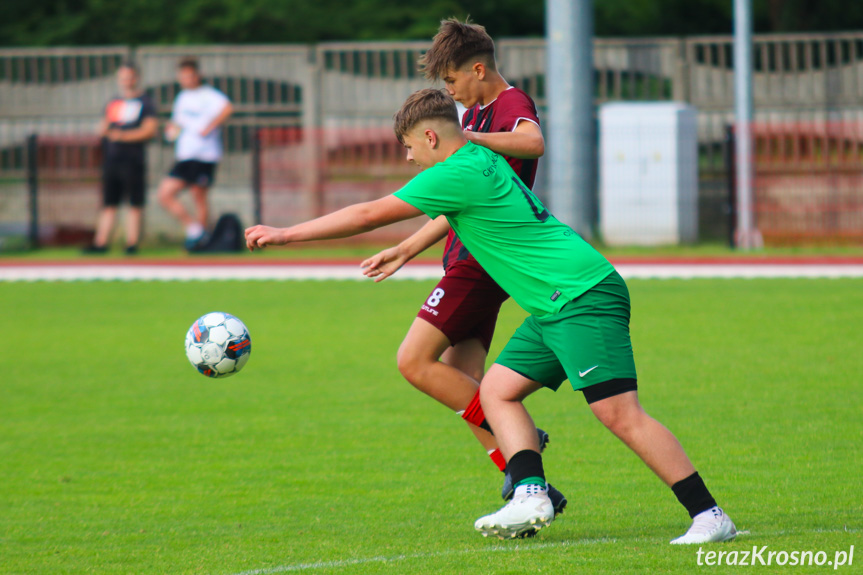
(116, 457)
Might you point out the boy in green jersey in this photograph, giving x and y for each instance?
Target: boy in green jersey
(579, 305)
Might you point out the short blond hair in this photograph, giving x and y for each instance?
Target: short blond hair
(455, 44)
(426, 104)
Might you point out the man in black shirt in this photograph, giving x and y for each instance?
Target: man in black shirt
(129, 121)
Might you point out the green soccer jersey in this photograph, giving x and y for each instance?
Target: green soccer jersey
(541, 262)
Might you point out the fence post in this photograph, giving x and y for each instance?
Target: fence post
(256, 176)
(680, 83)
(731, 175)
(33, 187)
(312, 133)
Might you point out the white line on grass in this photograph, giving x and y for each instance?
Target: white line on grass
(502, 548)
(121, 272)
(436, 554)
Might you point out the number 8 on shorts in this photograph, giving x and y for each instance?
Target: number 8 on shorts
(435, 297)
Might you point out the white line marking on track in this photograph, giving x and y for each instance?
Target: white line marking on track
(690, 271)
(179, 273)
(120, 272)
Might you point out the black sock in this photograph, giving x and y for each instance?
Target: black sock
(693, 494)
(524, 464)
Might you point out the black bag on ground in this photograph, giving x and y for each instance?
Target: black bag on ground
(227, 236)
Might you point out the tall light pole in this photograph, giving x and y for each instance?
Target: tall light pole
(746, 235)
(570, 126)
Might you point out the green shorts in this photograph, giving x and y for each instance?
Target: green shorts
(586, 342)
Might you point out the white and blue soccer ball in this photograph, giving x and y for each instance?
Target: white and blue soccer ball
(218, 344)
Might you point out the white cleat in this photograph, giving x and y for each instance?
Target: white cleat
(523, 515)
(709, 526)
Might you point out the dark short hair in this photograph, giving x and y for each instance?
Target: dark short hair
(426, 104)
(130, 64)
(189, 62)
(455, 44)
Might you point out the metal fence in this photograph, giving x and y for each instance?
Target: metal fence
(333, 88)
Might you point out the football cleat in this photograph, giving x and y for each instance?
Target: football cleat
(196, 243)
(709, 526)
(558, 499)
(507, 489)
(523, 516)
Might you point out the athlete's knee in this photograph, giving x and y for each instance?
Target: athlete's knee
(412, 365)
(619, 425)
(167, 192)
(492, 391)
(623, 418)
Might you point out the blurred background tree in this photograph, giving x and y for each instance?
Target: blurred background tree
(95, 22)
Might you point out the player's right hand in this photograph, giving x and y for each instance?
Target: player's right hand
(172, 132)
(261, 236)
(384, 264)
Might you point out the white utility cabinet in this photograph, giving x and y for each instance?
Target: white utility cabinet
(648, 156)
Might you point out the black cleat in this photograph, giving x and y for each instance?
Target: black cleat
(558, 499)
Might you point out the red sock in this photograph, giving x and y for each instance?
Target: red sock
(473, 413)
(497, 458)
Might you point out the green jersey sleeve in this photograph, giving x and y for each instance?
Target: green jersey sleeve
(436, 191)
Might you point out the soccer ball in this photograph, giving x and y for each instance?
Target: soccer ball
(218, 344)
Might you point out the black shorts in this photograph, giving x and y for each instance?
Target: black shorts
(124, 179)
(194, 172)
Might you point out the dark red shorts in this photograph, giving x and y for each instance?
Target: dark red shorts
(464, 307)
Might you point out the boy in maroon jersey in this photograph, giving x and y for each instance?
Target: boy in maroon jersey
(444, 352)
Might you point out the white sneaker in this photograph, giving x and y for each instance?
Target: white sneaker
(523, 515)
(708, 526)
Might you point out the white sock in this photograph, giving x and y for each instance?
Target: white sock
(529, 489)
(194, 230)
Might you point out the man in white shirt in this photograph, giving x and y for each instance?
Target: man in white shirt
(196, 120)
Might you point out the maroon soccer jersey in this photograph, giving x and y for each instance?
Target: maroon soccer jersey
(501, 115)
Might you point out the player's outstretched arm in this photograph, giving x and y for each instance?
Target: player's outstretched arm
(384, 264)
(344, 223)
(223, 116)
(525, 142)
